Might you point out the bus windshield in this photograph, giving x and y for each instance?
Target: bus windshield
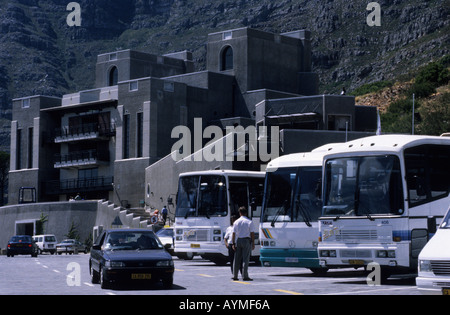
(446, 222)
(293, 195)
(363, 186)
(204, 195)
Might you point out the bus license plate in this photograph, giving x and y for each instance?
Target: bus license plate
(356, 262)
(446, 291)
(195, 245)
(141, 276)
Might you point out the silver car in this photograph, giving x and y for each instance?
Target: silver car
(70, 246)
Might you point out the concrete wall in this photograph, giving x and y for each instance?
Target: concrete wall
(60, 217)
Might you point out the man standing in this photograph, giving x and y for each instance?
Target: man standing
(243, 240)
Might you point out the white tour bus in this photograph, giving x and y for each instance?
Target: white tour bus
(383, 197)
(291, 208)
(434, 262)
(205, 202)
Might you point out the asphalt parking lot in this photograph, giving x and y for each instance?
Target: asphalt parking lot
(69, 274)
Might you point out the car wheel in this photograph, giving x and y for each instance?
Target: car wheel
(167, 283)
(103, 283)
(94, 276)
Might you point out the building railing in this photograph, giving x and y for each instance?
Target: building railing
(87, 157)
(79, 185)
(84, 131)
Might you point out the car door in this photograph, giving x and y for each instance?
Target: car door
(96, 252)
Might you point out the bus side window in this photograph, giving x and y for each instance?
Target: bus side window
(238, 196)
(427, 173)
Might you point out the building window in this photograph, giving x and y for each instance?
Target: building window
(126, 136)
(140, 134)
(113, 76)
(169, 86)
(227, 35)
(30, 147)
(19, 149)
(227, 59)
(133, 86)
(26, 103)
(87, 173)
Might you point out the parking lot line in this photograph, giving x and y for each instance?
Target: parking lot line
(288, 292)
(204, 275)
(241, 282)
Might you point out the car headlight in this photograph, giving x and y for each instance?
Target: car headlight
(425, 265)
(164, 263)
(114, 264)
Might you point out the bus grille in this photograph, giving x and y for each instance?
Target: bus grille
(357, 235)
(441, 267)
(196, 235)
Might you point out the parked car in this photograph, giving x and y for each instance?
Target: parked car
(434, 262)
(21, 245)
(69, 246)
(165, 235)
(130, 255)
(45, 243)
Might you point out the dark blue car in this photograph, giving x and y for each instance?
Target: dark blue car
(21, 245)
(130, 255)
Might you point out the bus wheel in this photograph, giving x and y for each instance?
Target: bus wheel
(319, 271)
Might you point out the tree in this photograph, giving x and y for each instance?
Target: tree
(40, 224)
(73, 232)
(435, 116)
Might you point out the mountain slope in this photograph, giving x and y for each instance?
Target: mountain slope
(41, 54)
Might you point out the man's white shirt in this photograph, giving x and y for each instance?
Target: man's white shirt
(243, 227)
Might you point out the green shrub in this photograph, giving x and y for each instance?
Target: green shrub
(371, 87)
(434, 73)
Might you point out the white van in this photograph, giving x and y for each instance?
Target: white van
(434, 262)
(45, 243)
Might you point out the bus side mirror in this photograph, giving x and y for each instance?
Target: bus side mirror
(253, 205)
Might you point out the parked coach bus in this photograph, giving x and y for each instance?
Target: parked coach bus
(291, 208)
(205, 202)
(383, 198)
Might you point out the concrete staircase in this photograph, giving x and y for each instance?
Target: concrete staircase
(108, 213)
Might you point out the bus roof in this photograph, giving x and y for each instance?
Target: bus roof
(225, 172)
(297, 159)
(384, 143)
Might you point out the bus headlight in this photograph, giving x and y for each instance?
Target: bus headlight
(386, 253)
(425, 266)
(327, 253)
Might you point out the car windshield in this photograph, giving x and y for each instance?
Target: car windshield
(165, 233)
(132, 241)
(363, 186)
(50, 239)
(21, 239)
(446, 222)
(68, 242)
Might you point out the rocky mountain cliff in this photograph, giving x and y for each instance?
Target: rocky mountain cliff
(41, 54)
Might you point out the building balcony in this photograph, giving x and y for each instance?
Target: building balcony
(81, 158)
(84, 132)
(109, 93)
(79, 185)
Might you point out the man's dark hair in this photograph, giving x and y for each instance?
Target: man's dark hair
(243, 210)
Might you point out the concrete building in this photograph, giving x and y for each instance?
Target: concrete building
(112, 142)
